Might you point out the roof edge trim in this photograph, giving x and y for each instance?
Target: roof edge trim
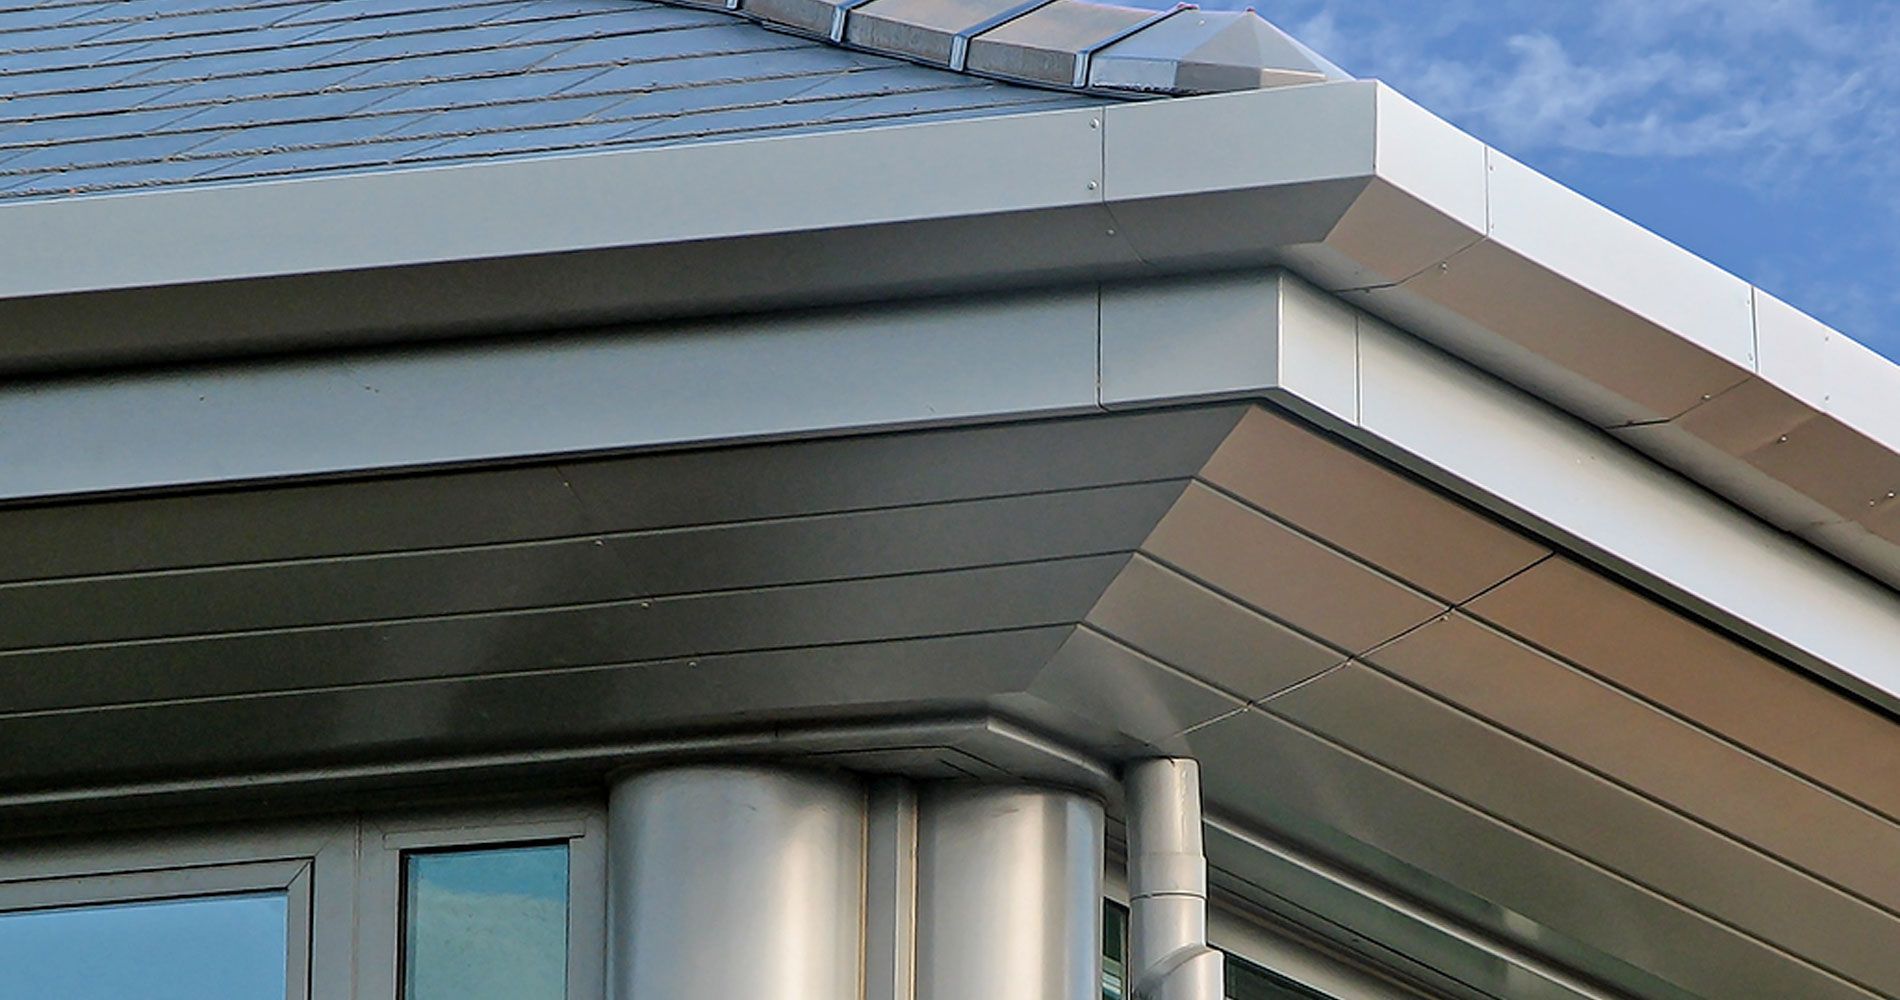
(1077, 45)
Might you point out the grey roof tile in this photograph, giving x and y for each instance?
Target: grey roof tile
(480, 91)
(44, 16)
(361, 155)
(300, 135)
(104, 102)
(102, 152)
(108, 177)
(147, 93)
(487, 145)
(69, 129)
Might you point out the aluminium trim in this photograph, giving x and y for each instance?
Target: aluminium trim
(840, 15)
(960, 42)
(1086, 54)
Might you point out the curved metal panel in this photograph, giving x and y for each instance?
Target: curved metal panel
(735, 882)
(1009, 890)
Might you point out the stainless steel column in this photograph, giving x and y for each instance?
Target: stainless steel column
(1009, 894)
(736, 882)
(1168, 955)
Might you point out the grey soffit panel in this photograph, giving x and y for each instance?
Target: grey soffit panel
(1585, 720)
(682, 627)
(585, 497)
(446, 719)
(1260, 769)
(1127, 583)
(594, 569)
(175, 94)
(1652, 846)
(1699, 675)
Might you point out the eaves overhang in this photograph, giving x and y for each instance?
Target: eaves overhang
(1368, 196)
(1348, 183)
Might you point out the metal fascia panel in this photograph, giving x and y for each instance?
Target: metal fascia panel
(929, 363)
(1512, 453)
(688, 193)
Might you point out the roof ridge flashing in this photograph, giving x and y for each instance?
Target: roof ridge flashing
(1074, 45)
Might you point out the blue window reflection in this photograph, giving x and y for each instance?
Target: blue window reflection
(486, 924)
(207, 948)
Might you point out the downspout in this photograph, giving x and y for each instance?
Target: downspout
(1169, 957)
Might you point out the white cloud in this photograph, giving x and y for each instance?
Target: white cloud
(1773, 82)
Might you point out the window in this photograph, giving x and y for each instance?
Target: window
(1247, 981)
(1114, 951)
(487, 924)
(236, 932)
(484, 905)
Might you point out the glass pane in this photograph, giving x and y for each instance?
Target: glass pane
(1247, 981)
(1114, 951)
(486, 924)
(222, 947)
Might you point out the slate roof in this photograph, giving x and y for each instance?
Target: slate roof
(129, 94)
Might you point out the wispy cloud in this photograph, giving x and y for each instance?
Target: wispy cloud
(1772, 81)
(1793, 100)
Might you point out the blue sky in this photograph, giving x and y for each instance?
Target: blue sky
(1762, 134)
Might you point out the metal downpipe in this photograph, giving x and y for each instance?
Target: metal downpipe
(1167, 884)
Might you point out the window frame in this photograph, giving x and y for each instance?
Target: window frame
(30, 885)
(387, 841)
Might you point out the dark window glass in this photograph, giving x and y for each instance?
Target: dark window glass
(1114, 951)
(223, 947)
(485, 924)
(1247, 981)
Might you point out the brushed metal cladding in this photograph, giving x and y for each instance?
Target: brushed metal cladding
(1829, 371)
(925, 30)
(1705, 871)
(1428, 540)
(1246, 555)
(1396, 931)
(1570, 713)
(736, 881)
(1258, 768)
(890, 889)
(1249, 334)
(1161, 613)
(673, 628)
(1820, 469)
(1009, 893)
(1113, 700)
(540, 292)
(1206, 52)
(587, 569)
(1581, 306)
(1701, 676)
(708, 382)
(1513, 453)
(992, 165)
(579, 496)
(1428, 201)
(1046, 45)
(406, 726)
